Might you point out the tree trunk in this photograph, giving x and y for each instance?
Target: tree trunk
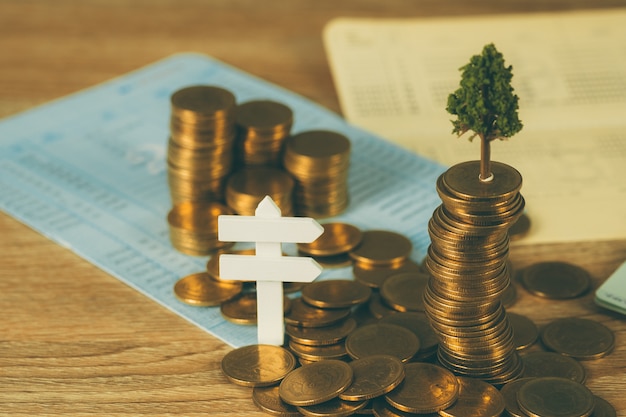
(485, 160)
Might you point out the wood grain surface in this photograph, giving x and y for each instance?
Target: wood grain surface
(75, 341)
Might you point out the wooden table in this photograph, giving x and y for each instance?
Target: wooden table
(76, 341)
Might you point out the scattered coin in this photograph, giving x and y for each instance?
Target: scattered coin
(336, 261)
(338, 238)
(381, 408)
(544, 364)
(305, 315)
(509, 392)
(268, 400)
(377, 308)
(335, 293)
(374, 376)
(335, 407)
(319, 336)
(382, 248)
(555, 280)
(603, 408)
(315, 383)
(476, 399)
(525, 331)
(405, 291)
(382, 338)
(551, 396)
(312, 353)
(200, 289)
(374, 276)
(579, 338)
(417, 322)
(427, 388)
(243, 308)
(257, 365)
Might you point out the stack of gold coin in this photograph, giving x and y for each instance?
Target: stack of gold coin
(262, 127)
(248, 186)
(319, 161)
(200, 148)
(193, 227)
(467, 261)
(320, 321)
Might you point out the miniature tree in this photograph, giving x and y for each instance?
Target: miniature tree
(485, 103)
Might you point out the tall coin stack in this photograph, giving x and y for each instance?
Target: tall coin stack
(319, 162)
(467, 260)
(262, 127)
(200, 148)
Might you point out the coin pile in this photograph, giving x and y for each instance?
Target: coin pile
(262, 127)
(200, 147)
(467, 261)
(319, 162)
(248, 186)
(193, 227)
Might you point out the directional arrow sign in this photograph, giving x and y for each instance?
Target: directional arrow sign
(264, 229)
(268, 267)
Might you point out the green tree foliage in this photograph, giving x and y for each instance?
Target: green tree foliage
(485, 102)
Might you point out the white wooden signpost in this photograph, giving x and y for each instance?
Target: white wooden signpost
(268, 267)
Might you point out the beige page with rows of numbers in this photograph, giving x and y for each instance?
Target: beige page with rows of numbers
(393, 77)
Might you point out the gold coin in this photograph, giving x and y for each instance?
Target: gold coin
(318, 353)
(463, 181)
(578, 338)
(382, 338)
(509, 296)
(335, 293)
(377, 308)
(337, 238)
(264, 115)
(381, 408)
(525, 331)
(315, 383)
(552, 396)
(418, 323)
(200, 289)
(335, 407)
(405, 291)
(509, 392)
(258, 365)
(476, 399)
(427, 388)
(243, 308)
(336, 261)
(268, 400)
(318, 336)
(382, 247)
(545, 364)
(374, 276)
(374, 376)
(520, 228)
(305, 315)
(555, 280)
(603, 408)
(203, 99)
